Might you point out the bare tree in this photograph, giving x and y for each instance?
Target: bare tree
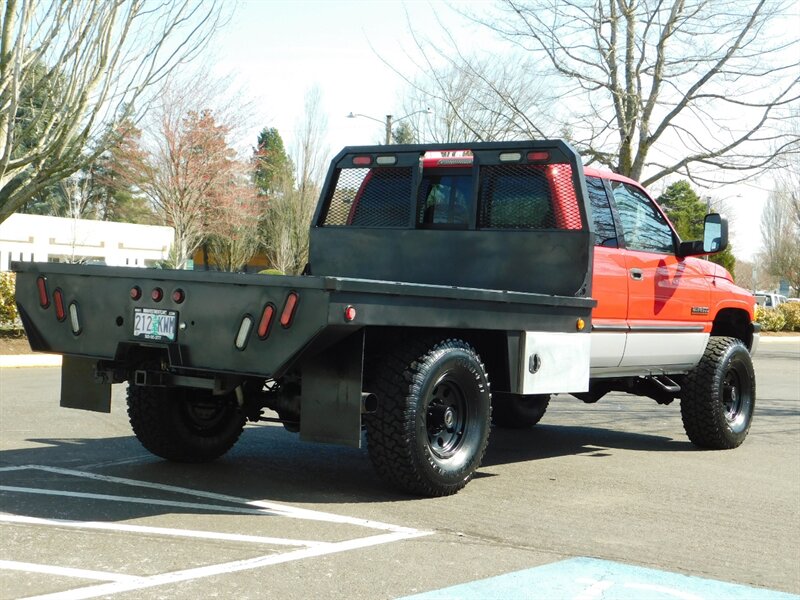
(780, 232)
(233, 232)
(474, 98)
(685, 87)
(68, 68)
(288, 216)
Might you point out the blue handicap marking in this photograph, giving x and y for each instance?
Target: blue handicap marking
(592, 579)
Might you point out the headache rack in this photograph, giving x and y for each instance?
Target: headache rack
(505, 216)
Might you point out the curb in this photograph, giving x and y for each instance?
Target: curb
(30, 360)
(779, 339)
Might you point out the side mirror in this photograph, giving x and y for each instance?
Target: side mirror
(715, 238)
(715, 234)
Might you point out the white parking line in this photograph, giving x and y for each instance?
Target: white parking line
(11, 565)
(273, 508)
(165, 531)
(125, 583)
(136, 500)
(225, 568)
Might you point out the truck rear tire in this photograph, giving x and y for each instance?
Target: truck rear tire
(184, 424)
(719, 395)
(431, 427)
(518, 412)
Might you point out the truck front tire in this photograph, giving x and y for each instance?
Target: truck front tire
(431, 427)
(719, 395)
(184, 424)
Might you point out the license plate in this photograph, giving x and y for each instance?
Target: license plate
(155, 324)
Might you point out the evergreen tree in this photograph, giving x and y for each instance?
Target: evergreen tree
(687, 212)
(685, 209)
(113, 195)
(273, 167)
(403, 134)
(33, 110)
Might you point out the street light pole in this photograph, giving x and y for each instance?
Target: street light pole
(387, 123)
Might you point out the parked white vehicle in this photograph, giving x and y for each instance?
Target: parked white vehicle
(769, 300)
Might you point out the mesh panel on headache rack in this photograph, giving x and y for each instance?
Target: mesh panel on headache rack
(378, 197)
(523, 196)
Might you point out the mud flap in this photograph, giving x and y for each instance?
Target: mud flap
(80, 387)
(330, 409)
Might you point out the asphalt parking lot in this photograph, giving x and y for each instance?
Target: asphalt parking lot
(598, 501)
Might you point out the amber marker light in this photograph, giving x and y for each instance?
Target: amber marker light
(580, 324)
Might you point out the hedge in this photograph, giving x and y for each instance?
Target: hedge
(9, 318)
(784, 318)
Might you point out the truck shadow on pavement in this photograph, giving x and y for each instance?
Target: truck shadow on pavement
(267, 464)
(551, 441)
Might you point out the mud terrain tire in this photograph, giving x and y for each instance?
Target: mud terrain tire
(431, 427)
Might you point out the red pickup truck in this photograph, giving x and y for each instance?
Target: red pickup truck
(448, 287)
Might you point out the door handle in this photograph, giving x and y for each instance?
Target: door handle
(637, 275)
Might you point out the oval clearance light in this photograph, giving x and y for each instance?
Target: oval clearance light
(510, 156)
(289, 308)
(266, 321)
(58, 300)
(350, 313)
(157, 294)
(41, 283)
(539, 155)
(244, 332)
(580, 325)
(178, 296)
(136, 292)
(362, 161)
(73, 318)
(386, 160)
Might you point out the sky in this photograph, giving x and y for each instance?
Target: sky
(276, 50)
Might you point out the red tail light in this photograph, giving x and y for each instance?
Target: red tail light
(178, 296)
(136, 292)
(266, 321)
(58, 299)
(41, 283)
(157, 294)
(289, 308)
(540, 155)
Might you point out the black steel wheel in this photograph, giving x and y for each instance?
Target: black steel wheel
(718, 396)
(431, 427)
(514, 411)
(184, 424)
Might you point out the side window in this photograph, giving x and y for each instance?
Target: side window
(445, 200)
(643, 225)
(604, 228)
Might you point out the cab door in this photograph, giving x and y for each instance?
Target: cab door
(609, 283)
(668, 296)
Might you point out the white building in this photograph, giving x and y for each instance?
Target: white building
(56, 239)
